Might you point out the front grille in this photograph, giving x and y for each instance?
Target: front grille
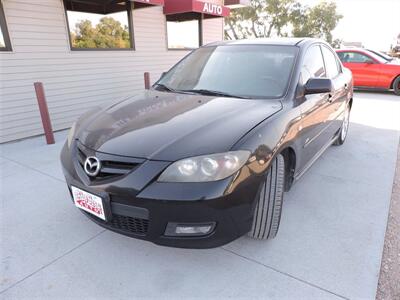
(129, 224)
(111, 165)
(126, 224)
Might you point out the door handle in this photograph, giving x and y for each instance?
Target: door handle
(346, 86)
(330, 98)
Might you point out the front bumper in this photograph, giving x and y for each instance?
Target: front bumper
(138, 206)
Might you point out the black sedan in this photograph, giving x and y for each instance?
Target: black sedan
(205, 155)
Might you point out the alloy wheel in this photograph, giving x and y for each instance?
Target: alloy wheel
(345, 126)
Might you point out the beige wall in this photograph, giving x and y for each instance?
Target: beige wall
(74, 80)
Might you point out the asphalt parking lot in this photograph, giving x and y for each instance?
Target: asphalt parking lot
(329, 245)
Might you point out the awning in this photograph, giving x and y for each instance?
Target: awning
(190, 7)
(145, 3)
(237, 3)
(107, 6)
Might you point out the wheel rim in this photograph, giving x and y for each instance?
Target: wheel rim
(345, 126)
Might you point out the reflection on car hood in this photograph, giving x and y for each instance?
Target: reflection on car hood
(170, 126)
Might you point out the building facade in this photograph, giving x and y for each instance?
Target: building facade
(67, 45)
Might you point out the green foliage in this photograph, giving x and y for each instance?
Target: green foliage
(261, 19)
(266, 18)
(336, 43)
(108, 33)
(318, 21)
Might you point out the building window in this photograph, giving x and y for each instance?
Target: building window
(184, 34)
(5, 43)
(99, 25)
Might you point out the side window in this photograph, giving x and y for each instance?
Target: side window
(332, 68)
(354, 57)
(341, 56)
(313, 64)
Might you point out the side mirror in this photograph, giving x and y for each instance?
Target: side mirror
(318, 86)
(163, 74)
(369, 62)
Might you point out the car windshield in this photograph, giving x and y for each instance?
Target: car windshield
(383, 55)
(243, 71)
(377, 57)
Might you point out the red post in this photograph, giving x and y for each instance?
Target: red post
(44, 112)
(147, 80)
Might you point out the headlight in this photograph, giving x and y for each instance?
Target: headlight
(205, 168)
(71, 135)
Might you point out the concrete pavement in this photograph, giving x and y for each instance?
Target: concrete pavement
(329, 245)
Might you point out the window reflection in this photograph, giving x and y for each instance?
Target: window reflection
(108, 29)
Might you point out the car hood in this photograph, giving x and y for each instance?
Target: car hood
(394, 62)
(169, 126)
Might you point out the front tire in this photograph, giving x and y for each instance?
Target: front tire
(344, 129)
(396, 86)
(267, 214)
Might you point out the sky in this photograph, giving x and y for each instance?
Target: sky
(76, 17)
(375, 23)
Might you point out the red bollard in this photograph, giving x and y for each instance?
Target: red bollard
(44, 112)
(147, 80)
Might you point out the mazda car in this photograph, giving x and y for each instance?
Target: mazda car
(205, 155)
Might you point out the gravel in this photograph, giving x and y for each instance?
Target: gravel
(389, 279)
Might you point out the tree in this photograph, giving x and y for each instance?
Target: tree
(262, 18)
(108, 33)
(84, 34)
(336, 43)
(318, 21)
(266, 18)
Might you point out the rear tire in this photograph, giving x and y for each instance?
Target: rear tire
(396, 86)
(344, 129)
(267, 214)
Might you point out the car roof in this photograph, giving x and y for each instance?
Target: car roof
(352, 49)
(268, 41)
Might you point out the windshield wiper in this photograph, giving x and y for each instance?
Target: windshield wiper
(171, 90)
(214, 93)
(165, 88)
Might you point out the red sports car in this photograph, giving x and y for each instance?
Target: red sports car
(370, 70)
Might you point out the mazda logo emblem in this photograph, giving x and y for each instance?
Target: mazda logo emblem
(92, 166)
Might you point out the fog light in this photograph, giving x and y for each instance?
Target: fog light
(177, 229)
